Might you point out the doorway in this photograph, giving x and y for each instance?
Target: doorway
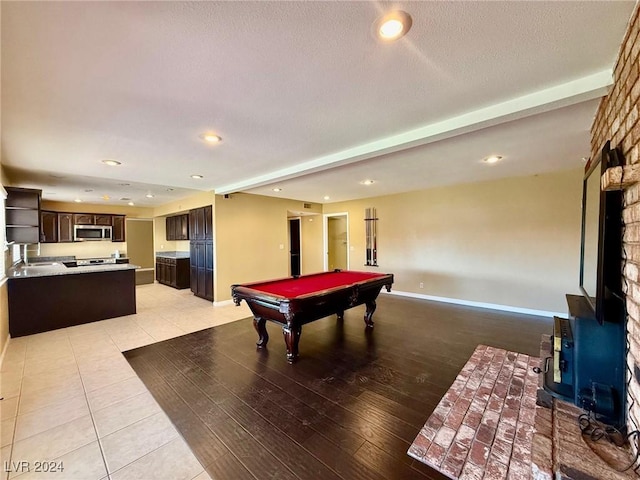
(294, 247)
(336, 241)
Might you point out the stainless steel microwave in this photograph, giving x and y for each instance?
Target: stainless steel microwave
(84, 233)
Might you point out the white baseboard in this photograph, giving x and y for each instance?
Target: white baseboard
(489, 306)
(223, 303)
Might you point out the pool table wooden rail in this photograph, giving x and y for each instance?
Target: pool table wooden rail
(293, 312)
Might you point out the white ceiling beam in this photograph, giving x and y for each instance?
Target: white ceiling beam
(570, 93)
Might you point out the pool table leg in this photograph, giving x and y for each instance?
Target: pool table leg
(263, 337)
(340, 314)
(291, 340)
(368, 317)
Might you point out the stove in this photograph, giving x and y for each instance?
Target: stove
(94, 261)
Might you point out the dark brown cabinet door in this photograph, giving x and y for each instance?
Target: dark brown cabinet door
(193, 225)
(169, 228)
(102, 220)
(118, 231)
(49, 226)
(65, 227)
(202, 269)
(184, 227)
(82, 219)
(208, 222)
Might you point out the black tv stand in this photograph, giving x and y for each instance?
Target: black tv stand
(586, 366)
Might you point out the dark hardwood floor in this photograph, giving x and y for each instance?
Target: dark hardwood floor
(348, 409)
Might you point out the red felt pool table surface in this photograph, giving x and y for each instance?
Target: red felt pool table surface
(295, 287)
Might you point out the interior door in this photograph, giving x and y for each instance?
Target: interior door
(336, 241)
(294, 246)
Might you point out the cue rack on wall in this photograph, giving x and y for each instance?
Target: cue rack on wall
(371, 231)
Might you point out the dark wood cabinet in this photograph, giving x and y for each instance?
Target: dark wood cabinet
(173, 272)
(102, 220)
(177, 227)
(118, 231)
(201, 223)
(22, 212)
(65, 227)
(58, 226)
(201, 249)
(48, 227)
(201, 268)
(83, 219)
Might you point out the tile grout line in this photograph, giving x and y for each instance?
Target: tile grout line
(93, 421)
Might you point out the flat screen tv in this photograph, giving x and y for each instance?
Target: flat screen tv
(601, 240)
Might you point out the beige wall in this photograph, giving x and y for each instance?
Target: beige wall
(512, 242)
(311, 248)
(251, 240)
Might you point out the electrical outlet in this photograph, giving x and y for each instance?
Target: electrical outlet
(421, 285)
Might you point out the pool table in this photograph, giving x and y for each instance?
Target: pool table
(294, 301)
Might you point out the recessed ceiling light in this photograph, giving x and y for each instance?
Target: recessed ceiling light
(105, 197)
(277, 189)
(149, 195)
(367, 182)
(197, 177)
(393, 25)
(493, 159)
(124, 184)
(211, 138)
(77, 200)
(125, 199)
(169, 189)
(88, 190)
(111, 163)
(130, 204)
(326, 197)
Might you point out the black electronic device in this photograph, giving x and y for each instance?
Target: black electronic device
(601, 240)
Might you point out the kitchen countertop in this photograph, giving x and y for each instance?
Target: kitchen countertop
(172, 254)
(57, 268)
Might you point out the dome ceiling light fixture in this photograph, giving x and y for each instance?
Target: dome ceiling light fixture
(392, 25)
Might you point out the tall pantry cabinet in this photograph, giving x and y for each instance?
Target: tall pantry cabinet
(201, 251)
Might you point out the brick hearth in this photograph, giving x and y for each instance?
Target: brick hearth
(488, 427)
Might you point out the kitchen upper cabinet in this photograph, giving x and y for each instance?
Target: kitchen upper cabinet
(92, 219)
(177, 227)
(102, 220)
(117, 233)
(65, 227)
(22, 212)
(201, 223)
(83, 219)
(49, 227)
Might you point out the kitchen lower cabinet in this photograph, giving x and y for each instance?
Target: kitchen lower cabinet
(202, 269)
(42, 303)
(173, 272)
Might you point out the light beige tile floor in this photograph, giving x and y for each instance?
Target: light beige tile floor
(71, 399)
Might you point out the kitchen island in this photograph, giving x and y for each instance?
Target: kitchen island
(50, 296)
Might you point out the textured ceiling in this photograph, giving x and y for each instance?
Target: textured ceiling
(302, 93)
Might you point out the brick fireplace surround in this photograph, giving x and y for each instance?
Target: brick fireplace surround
(617, 120)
